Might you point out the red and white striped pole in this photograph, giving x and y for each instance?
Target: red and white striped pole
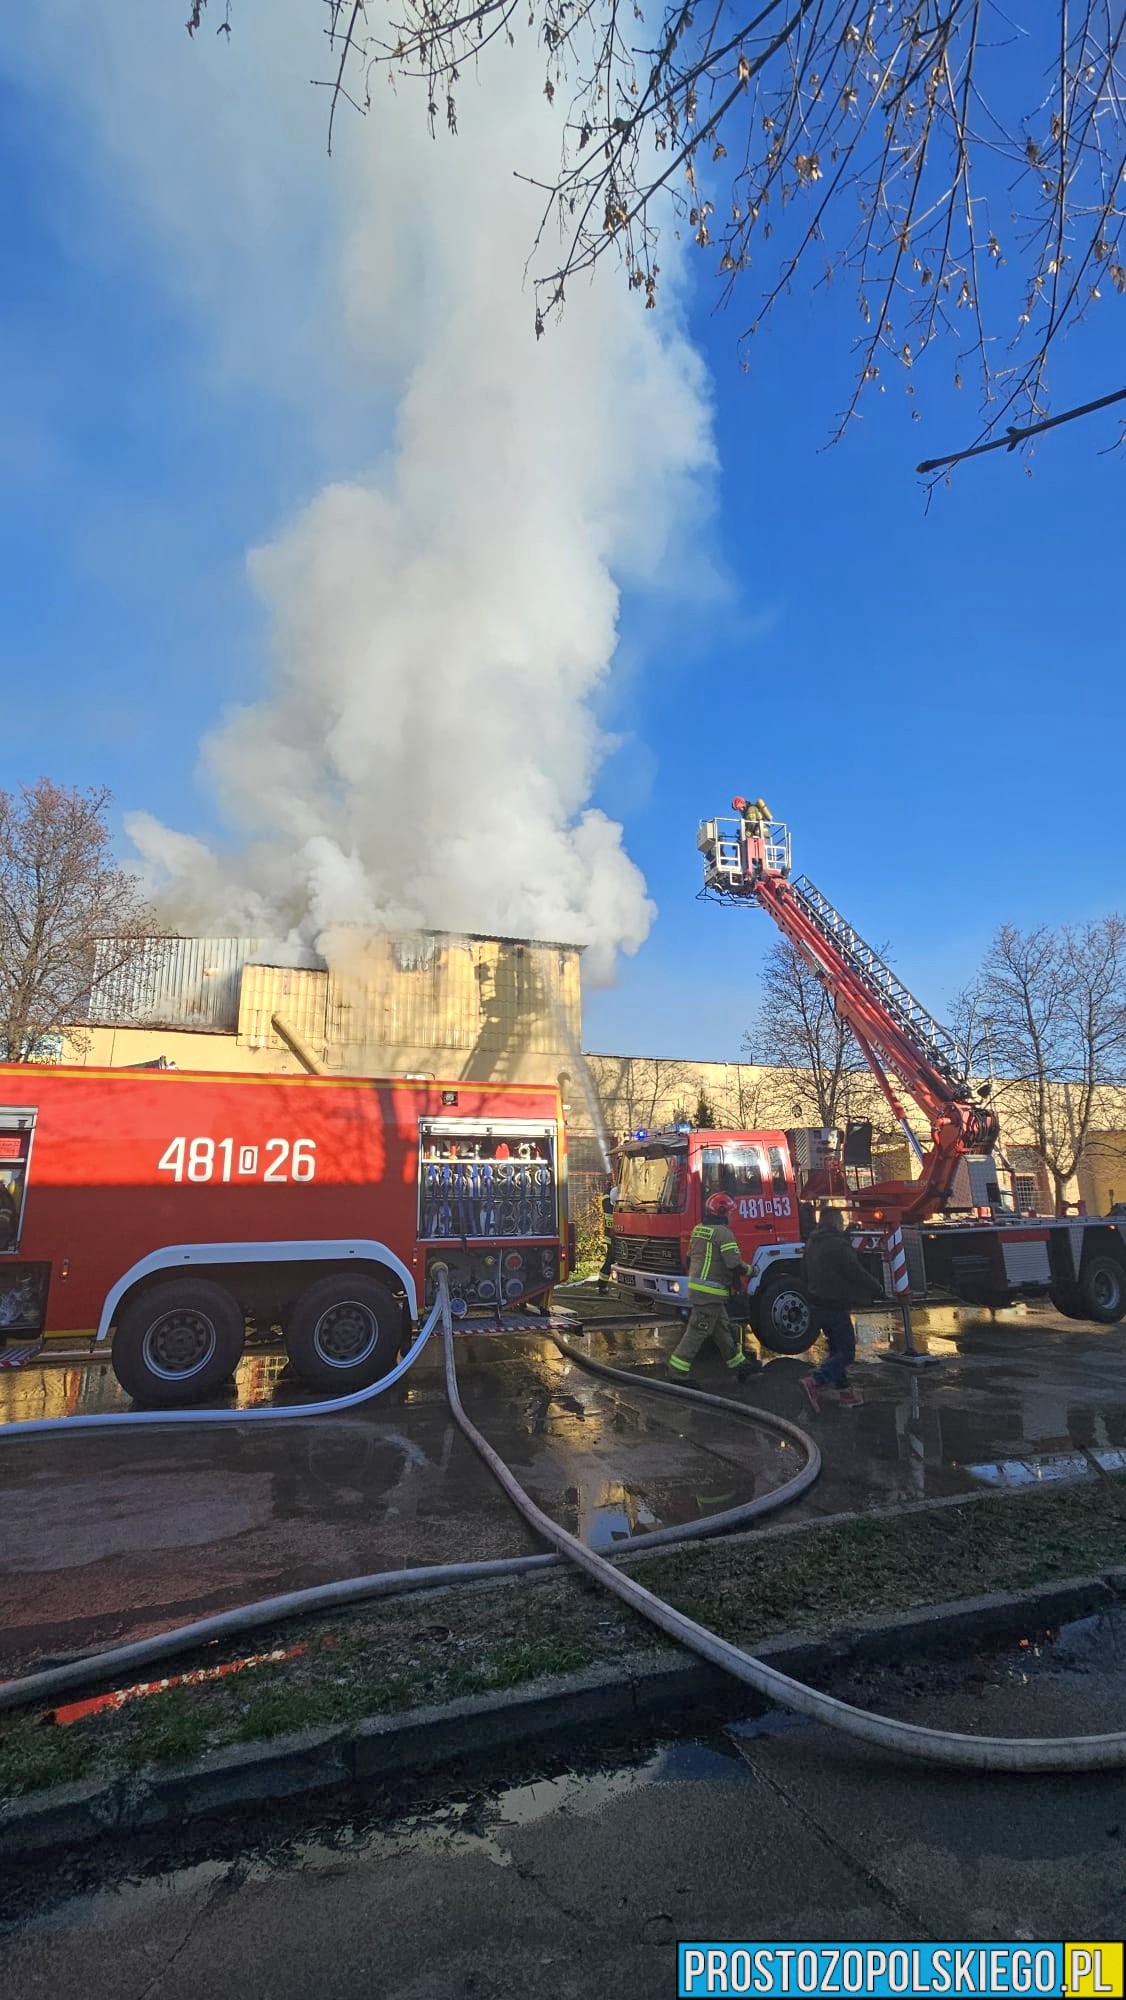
(901, 1286)
(897, 1258)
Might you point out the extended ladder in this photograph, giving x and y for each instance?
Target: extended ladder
(909, 1014)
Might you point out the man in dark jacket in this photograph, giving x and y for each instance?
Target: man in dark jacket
(835, 1279)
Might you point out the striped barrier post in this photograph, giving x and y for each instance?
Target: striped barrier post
(897, 1258)
(896, 1254)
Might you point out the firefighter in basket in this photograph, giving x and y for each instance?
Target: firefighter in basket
(715, 1268)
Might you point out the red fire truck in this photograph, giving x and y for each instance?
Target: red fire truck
(923, 1235)
(164, 1210)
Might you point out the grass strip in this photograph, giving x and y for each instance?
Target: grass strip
(381, 1659)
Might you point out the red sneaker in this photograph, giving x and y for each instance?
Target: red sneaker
(809, 1384)
(850, 1399)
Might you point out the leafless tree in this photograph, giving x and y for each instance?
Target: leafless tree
(60, 894)
(962, 165)
(1051, 1010)
(750, 1103)
(799, 1032)
(641, 1091)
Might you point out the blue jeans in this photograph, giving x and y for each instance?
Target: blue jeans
(836, 1324)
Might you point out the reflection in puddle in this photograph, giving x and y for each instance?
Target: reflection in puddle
(1036, 1470)
(1039, 1467)
(476, 1825)
(1095, 1644)
(56, 1389)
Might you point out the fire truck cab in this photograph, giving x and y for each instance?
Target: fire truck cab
(665, 1179)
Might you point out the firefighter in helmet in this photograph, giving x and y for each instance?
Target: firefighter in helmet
(714, 1263)
(755, 814)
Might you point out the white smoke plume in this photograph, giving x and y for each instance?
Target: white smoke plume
(426, 743)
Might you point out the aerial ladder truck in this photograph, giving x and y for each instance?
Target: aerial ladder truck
(926, 1245)
(747, 860)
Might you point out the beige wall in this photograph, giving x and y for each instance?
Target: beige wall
(116, 1048)
(463, 1009)
(648, 1090)
(1102, 1177)
(478, 1009)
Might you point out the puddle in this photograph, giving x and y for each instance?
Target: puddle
(63, 1389)
(1036, 1470)
(1068, 1679)
(1095, 1644)
(477, 1823)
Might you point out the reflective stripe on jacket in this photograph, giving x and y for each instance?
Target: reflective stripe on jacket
(713, 1256)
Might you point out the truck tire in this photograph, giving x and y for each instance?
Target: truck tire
(178, 1342)
(1065, 1298)
(1102, 1288)
(344, 1332)
(784, 1317)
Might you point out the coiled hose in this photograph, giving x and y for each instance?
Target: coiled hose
(936, 1746)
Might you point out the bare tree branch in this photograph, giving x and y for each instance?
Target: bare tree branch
(1050, 1005)
(977, 203)
(799, 1033)
(60, 897)
(1015, 436)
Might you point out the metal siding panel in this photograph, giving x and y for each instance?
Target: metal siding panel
(415, 992)
(1026, 1263)
(175, 982)
(296, 993)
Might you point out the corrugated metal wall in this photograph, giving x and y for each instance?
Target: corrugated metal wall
(175, 982)
(482, 1009)
(299, 995)
(490, 999)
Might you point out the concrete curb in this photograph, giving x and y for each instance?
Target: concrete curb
(662, 1679)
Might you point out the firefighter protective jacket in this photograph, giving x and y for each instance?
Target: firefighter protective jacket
(713, 1259)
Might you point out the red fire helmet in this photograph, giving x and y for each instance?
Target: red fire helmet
(719, 1205)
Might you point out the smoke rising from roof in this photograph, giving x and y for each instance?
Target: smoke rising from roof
(426, 745)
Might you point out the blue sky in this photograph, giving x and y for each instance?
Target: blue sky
(934, 699)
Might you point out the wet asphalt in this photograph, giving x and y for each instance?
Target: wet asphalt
(568, 1868)
(108, 1537)
(573, 1869)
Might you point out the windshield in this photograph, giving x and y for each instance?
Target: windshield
(733, 1170)
(652, 1182)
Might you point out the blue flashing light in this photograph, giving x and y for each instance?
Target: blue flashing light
(642, 1134)
(682, 1128)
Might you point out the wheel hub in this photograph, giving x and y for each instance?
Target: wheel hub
(346, 1334)
(178, 1344)
(790, 1313)
(1106, 1289)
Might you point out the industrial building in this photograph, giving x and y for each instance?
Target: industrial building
(469, 1007)
(419, 1003)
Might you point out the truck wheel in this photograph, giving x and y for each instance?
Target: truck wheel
(1102, 1289)
(1065, 1298)
(784, 1317)
(176, 1343)
(344, 1332)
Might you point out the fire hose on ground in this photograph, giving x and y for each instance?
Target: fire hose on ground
(936, 1746)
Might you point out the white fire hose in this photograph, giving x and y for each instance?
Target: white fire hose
(936, 1746)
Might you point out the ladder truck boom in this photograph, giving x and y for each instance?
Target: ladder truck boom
(747, 861)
